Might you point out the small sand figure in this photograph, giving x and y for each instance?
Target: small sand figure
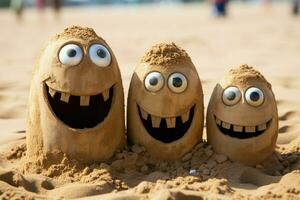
(165, 103)
(242, 118)
(76, 102)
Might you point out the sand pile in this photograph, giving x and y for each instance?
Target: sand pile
(133, 173)
(244, 73)
(165, 54)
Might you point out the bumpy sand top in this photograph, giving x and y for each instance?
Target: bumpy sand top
(83, 33)
(244, 73)
(166, 54)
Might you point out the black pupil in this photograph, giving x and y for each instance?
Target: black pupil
(177, 82)
(153, 81)
(230, 95)
(71, 53)
(101, 53)
(254, 96)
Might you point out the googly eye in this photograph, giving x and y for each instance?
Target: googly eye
(231, 96)
(254, 96)
(154, 81)
(70, 55)
(99, 55)
(177, 82)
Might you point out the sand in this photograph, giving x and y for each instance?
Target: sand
(267, 39)
(165, 54)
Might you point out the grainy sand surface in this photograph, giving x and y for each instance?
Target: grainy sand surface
(266, 39)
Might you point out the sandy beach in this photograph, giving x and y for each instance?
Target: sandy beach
(265, 39)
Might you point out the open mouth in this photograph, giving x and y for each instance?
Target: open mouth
(241, 132)
(80, 112)
(169, 129)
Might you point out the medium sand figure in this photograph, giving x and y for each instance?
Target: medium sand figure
(242, 118)
(76, 102)
(165, 103)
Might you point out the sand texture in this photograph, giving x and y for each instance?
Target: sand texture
(266, 39)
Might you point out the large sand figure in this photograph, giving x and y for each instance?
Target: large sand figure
(76, 98)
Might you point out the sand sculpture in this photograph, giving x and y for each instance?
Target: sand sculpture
(242, 118)
(165, 103)
(76, 102)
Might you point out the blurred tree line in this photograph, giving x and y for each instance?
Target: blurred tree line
(4, 3)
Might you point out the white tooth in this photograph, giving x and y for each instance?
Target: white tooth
(84, 100)
(52, 92)
(250, 129)
(185, 117)
(65, 97)
(238, 128)
(171, 122)
(225, 125)
(144, 113)
(155, 121)
(262, 127)
(105, 94)
(218, 121)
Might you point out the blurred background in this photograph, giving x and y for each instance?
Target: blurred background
(217, 34)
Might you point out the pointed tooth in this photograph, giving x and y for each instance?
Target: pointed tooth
(155, 121)
(65, 97)
(262, 127)
(218, 121)
(84, 100)
(105, 94)
(250, 129)
(144, 113)
(185, 116)
(52, 92)
(226, 125)
(238, 128)
(171, 122)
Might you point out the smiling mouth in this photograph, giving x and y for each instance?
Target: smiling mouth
(80, 112)
(169, 129)
(241, 132)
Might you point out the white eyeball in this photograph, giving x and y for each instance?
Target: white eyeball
(70, 55)
(177, 82)
(231, 96)
(100, 55)
(154, 81)
(254, 96)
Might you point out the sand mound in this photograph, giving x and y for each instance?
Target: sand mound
(133, 174)
(83, 33)
(165, 54)
(244, 73)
